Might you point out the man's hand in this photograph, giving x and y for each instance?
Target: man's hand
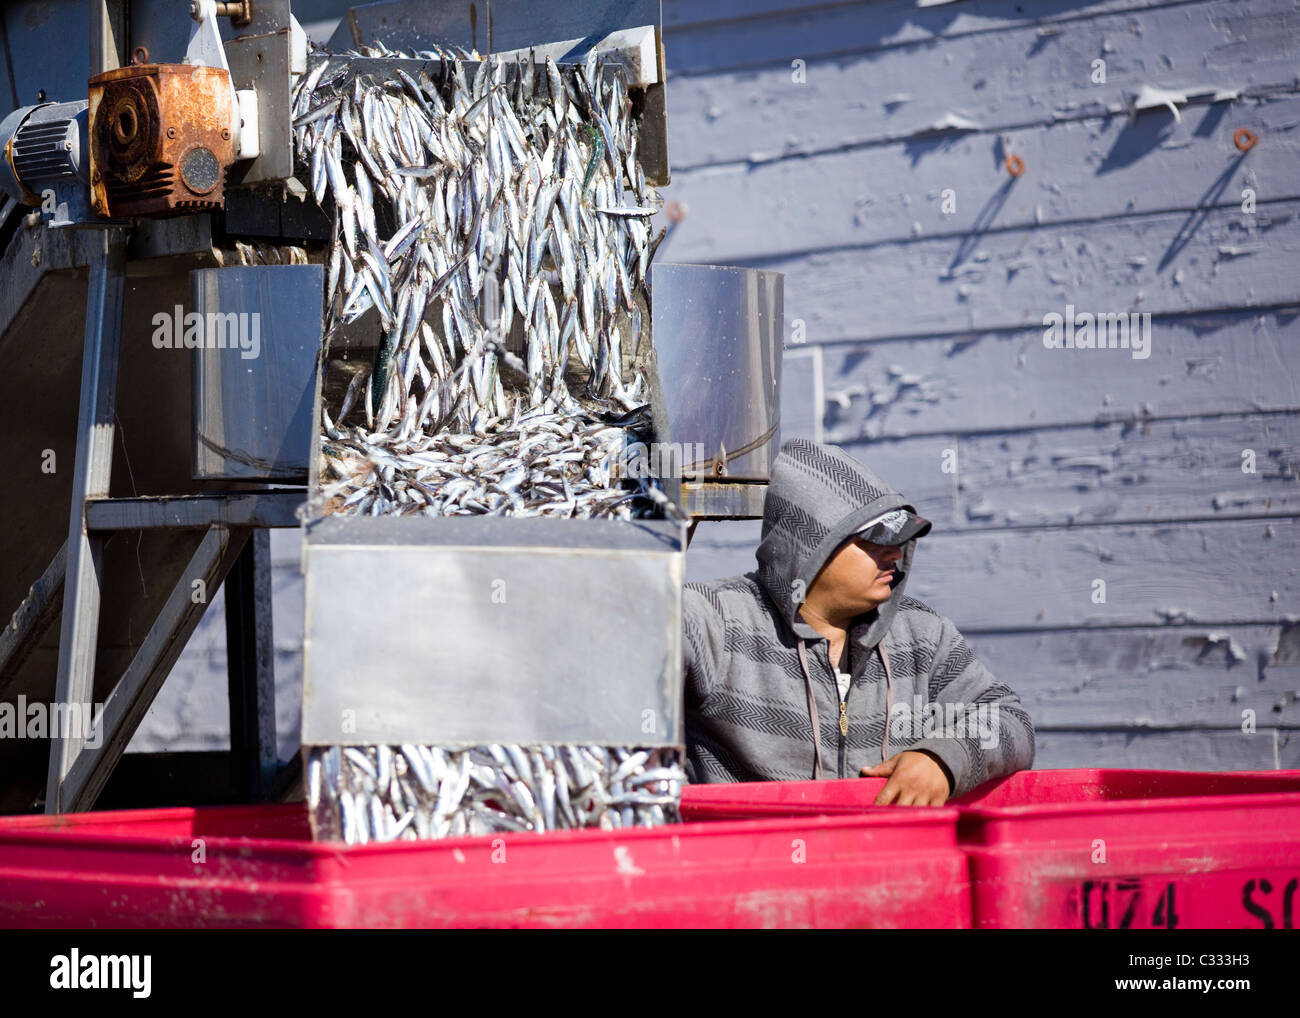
(915, 779)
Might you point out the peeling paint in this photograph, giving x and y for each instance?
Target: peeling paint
(1287, 651)
(1233, 500)
(1150, 97)
(1113, 202)
(843, 398)
(1216, 639)
(952, 122)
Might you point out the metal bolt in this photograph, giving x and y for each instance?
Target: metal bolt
(171, 132)
(67, 146)
(240, 12)
(225, 134)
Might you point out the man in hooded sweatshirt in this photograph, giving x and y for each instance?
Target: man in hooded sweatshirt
(793, 671)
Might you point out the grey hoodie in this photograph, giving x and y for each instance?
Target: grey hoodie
(750, 703)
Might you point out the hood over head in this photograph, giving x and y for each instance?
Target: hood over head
(819, 497)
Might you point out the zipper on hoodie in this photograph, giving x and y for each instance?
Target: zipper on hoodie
(844, 712)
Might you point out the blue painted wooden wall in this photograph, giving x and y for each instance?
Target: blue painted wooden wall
(919, 270)
(922, 328)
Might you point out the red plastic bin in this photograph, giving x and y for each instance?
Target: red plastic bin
(1115, 849)
(752, 800)
(255, 866)
(1093, 848)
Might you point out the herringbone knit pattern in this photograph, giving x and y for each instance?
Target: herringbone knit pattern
(746, 701)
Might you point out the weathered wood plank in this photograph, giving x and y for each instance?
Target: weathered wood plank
(1209, 573)
(803, 396)
(1206, 573)
(1074, 170)
(1000, 79)
(895, 21)
(1266, 750)
(1229, 362)
(1140, 678)
(1176, 262)
(1162, 677)
(1156, 471)
(724, 548)
(915, 467)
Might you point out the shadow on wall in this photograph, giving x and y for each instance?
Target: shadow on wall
(888, 23)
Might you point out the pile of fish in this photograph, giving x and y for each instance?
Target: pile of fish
(534, 463)
(501, 204)
(494, 217)
(377, 793)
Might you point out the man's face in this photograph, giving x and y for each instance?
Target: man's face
(857, 578)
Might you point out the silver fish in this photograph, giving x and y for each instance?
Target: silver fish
(464, 189)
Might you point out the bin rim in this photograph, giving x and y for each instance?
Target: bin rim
(85, 832)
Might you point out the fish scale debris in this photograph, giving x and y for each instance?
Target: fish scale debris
(493, 216)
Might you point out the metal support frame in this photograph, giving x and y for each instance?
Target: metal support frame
(32, 618)
(107, 35)
(723, 500)
(131, 698)
(91, 475)
(82, 757)
(250, 665)
(196, 512)
(234, 555)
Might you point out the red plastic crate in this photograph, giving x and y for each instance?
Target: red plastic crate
(137, 869)
(1181, 850)
(747, 801)
(1222, 847)
(751, 800)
